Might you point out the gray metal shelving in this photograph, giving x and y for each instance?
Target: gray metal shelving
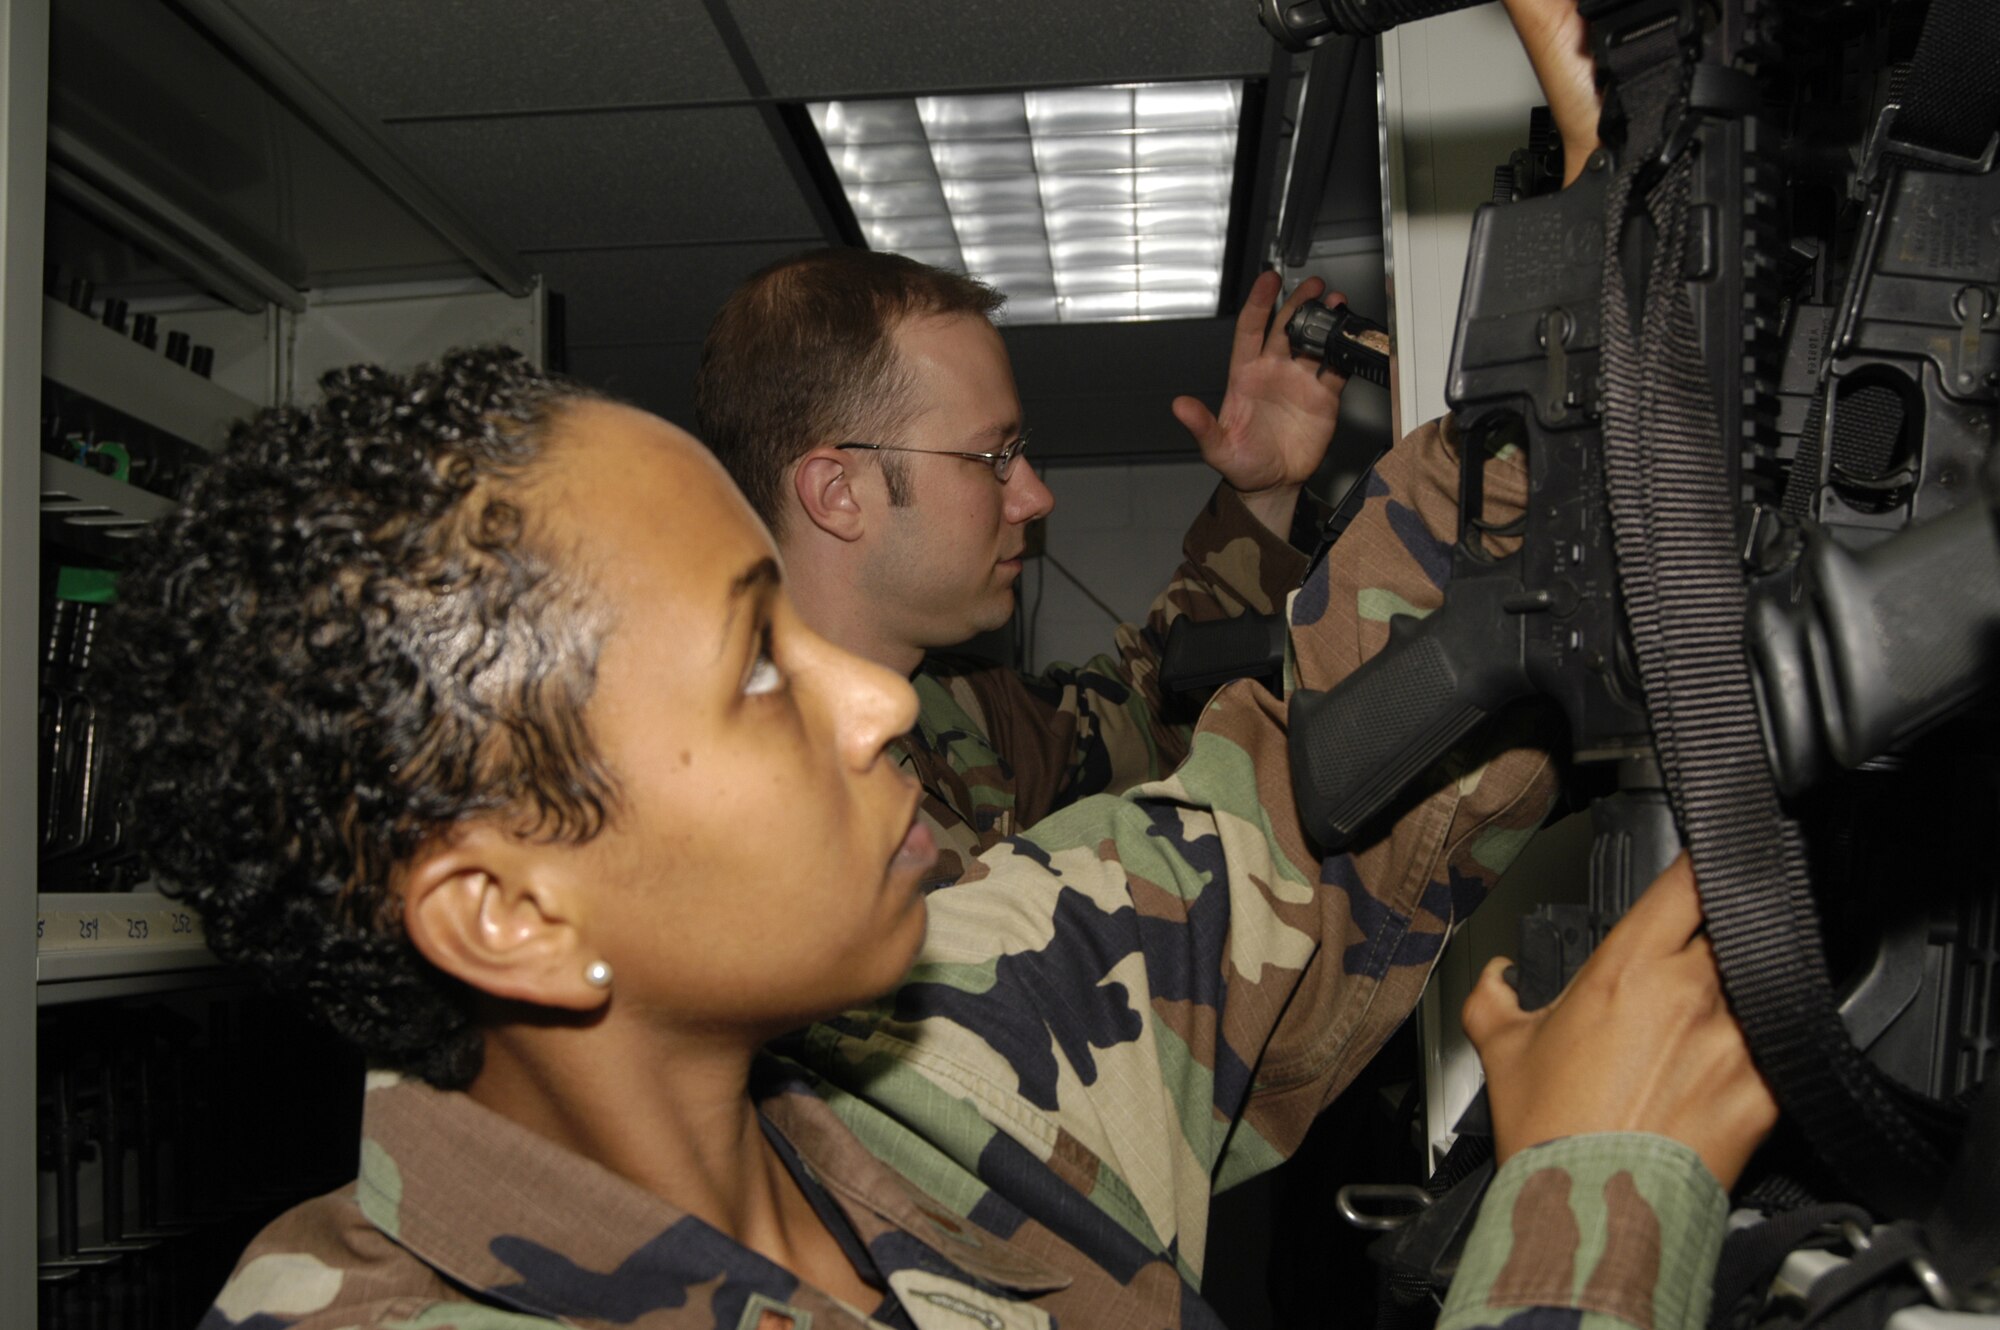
(94, 945)
(24, 26)
(92, 508)
(83, 355)
(278, 288)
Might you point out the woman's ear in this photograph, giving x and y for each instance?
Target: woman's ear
(493, 911)
(825, 489)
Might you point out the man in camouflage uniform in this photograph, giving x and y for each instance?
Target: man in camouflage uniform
(1142, 999)
(819, 377)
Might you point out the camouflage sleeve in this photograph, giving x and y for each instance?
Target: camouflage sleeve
(1405, 888)
(389, 1314)
(1104, 726)
(1145, 997)
(1608, 1232)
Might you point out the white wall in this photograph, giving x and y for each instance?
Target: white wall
(1456, 92)
(1119, 529)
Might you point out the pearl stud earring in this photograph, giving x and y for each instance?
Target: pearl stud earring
(597, 974)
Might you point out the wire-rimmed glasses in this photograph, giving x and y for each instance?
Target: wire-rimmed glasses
(1002, 462)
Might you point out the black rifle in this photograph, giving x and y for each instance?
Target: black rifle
(1770, 354)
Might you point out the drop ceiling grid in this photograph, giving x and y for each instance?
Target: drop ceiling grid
(830, 48)
(545, 175)
(394, 59)
(616, 177)
(625, 159)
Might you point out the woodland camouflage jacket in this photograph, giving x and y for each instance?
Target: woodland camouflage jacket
(997, 751)
(1140, 1001)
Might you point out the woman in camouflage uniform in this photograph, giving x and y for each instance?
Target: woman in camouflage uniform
(471, 710)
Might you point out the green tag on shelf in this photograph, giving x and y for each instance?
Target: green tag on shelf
(121, 458)
(92, 586)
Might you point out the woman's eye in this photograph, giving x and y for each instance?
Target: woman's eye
(764, 676)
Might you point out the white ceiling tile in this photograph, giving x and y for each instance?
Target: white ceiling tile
(833, 48)
(632, 177)
(392, 58)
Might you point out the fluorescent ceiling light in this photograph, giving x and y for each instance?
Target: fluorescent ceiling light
(1080, 204)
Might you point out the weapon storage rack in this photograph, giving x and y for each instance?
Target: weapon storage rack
(92, 943)
(141, 311)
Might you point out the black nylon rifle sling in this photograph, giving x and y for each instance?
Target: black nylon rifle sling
(1669, 482)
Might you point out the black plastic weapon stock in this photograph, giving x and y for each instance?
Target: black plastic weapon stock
(1543, 619)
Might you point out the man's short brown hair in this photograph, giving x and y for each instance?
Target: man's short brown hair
(800, 355)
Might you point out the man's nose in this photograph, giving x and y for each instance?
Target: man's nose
(1027, 498)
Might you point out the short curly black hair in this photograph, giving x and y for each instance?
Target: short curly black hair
(348, 638)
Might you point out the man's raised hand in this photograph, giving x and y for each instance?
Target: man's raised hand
(1278, 412)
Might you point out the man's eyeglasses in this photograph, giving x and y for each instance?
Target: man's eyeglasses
(1002, 462)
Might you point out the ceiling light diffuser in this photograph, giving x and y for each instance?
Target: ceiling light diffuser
(1080, 204)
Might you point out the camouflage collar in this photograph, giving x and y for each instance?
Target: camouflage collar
(864, 1185)
(529, 1225)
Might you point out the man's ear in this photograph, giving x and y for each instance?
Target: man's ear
(490, 909)
(824, 483)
